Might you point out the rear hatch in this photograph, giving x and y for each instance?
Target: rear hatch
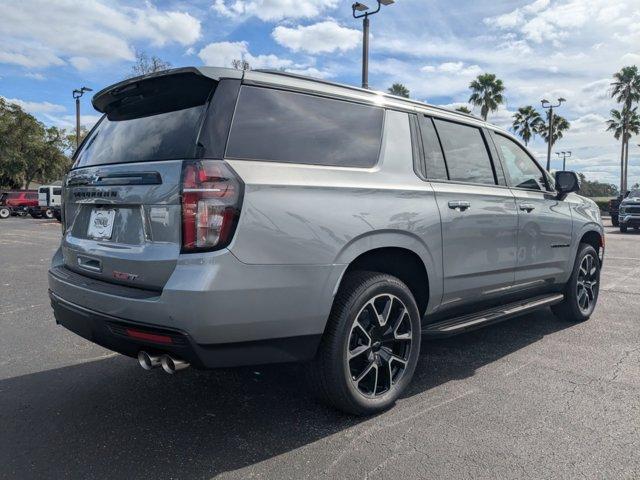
(122, 209)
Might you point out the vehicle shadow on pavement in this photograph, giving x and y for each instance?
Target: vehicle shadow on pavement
(108, 418)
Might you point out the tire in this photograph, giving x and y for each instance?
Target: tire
(614, 221)
(383, 355)
(48, 213)
(5, 212)
(581, 291)
(623, 229)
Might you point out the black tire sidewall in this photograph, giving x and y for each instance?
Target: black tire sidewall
(376, 285)
(571, 294)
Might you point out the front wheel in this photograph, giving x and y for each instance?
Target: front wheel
(623, 229)
(5, 212)
(581, 291)
(371, 344)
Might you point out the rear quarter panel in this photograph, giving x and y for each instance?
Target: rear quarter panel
(316, 215)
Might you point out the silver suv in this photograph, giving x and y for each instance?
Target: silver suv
(219, 218)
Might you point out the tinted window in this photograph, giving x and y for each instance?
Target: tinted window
(57, 191)
(465, 153)
(279, 126)
(164, 136)
(522, 171)
(434, 160)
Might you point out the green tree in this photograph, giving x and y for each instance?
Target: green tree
(463, 109)
(526, 123)
(399, 90)
(486, 93)
(560, 126)
(625, 88)
(623, 123)
(28, 150)
(594, 188)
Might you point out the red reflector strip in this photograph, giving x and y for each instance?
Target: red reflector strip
(150, 337)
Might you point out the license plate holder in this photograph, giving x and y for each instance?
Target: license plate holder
(101, 223)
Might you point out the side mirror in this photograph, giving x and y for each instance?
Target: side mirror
(566, 182)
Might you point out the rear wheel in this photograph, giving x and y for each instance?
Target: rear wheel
(581, 291)
(5, 212)
(623, 229)
(370, 346)
(48, 213)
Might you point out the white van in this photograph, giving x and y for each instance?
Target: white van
(49, 201)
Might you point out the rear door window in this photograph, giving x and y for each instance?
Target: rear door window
(281, 126)
(434, 160)
(465, 152)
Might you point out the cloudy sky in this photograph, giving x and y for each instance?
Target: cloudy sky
(541, 48)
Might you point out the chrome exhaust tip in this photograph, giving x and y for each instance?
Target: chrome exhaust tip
(172, 365)
(148, 361)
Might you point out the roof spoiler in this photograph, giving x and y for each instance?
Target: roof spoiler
(117, 91)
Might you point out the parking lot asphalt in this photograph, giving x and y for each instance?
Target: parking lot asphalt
(533, 397)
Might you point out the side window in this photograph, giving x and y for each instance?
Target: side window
(465, 152)
(280, 126)
(434, 160)
(57, 191)
(522, 170)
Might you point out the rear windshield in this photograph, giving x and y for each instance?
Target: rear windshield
(155, 119)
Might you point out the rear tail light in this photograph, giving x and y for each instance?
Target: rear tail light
(211, 200)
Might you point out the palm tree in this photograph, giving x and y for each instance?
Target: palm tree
(463, 109)
(623, 124)
(526, 122)
(486, 93)
(399, 90)
(626, 90)
(560, 125)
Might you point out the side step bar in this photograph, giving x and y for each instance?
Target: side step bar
(453, 326)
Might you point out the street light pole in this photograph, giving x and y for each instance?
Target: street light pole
(549, 106)
(361, 7)
(77, 93)
(564, 158)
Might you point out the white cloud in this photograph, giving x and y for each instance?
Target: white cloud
(322, 37)
(36, 107)
(221, 54)
(273, 10)
(35, 76)
(43, 33)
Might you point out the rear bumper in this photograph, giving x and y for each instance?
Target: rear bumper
(111, 332)
(228, 313)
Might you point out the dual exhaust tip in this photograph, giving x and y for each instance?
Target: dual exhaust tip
(169, 364)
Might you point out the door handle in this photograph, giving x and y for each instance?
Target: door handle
(459, 205)
(527, 207)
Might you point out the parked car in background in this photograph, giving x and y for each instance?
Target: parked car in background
(629, 211)
(614, 205)
(18, 202)
(50, 200)
(279, 218)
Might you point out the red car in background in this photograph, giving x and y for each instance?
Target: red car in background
(18, 202)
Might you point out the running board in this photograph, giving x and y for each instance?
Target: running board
(453, 326)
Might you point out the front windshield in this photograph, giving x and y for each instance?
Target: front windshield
(634, 194)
